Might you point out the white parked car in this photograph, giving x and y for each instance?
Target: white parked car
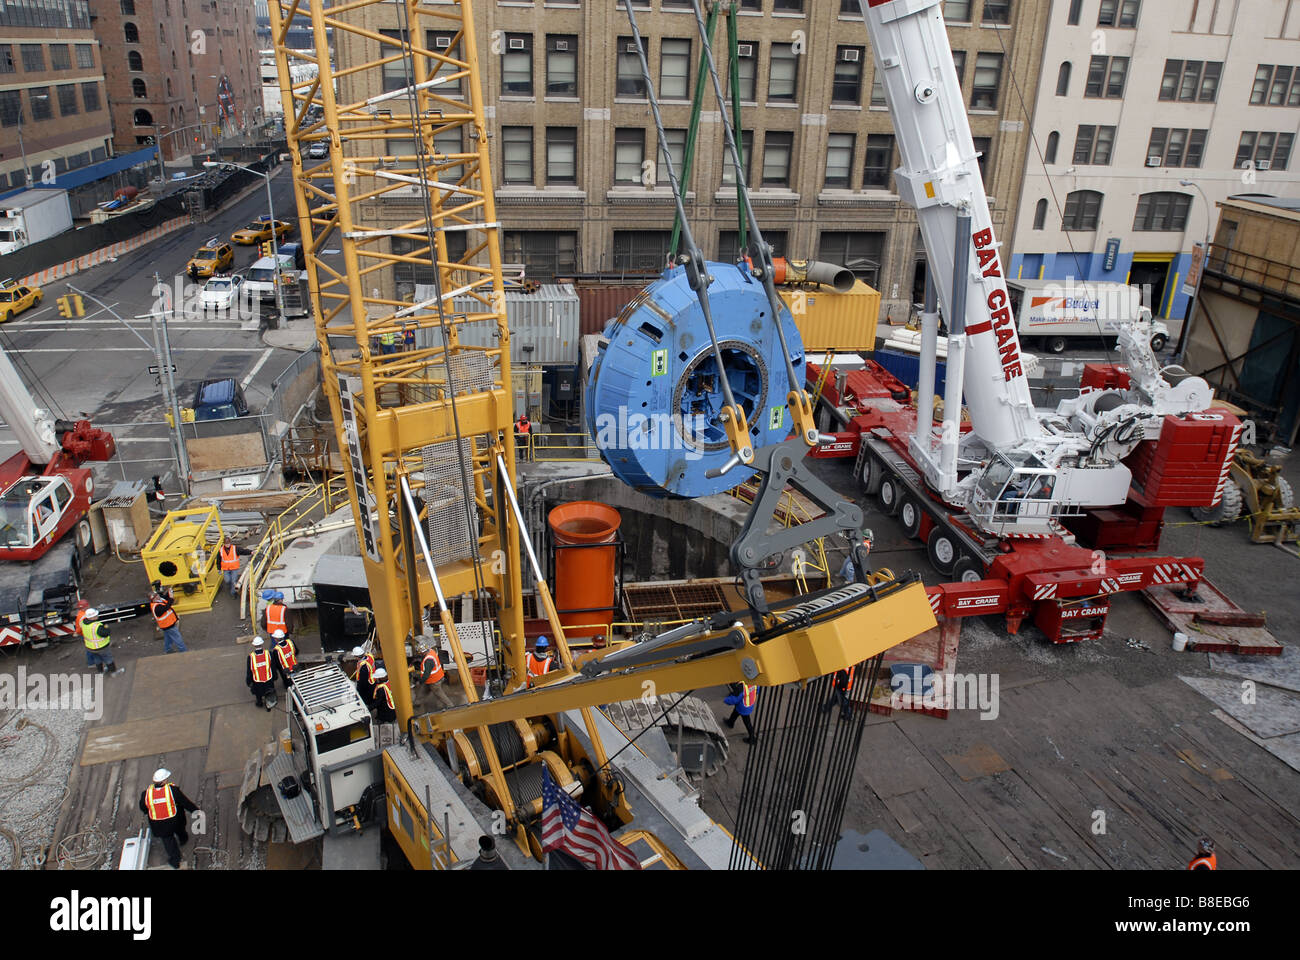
(221, 293)
(319, 150)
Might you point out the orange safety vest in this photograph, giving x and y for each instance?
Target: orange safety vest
(367, 662)
(275, 617)
(261, 664)
(523, 426)
(382, 685)
(849, 683)
(161, 803)
(437, 673)
(538, 666)
(749, 695)
(165, 619)
(1204, 863)
(284, 650)
(229, 557)
(81, 615)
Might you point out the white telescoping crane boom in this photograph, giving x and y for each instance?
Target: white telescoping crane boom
(33, 427)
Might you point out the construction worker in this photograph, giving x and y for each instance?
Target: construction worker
(82, 607)
(840, 688)
(157, 496)
(96, 638)
(408, 337)
(170, 625)
(259, 677)
(539, 660)
(166, 805)
(286, 658)
(431, 676)
(365, 675)
(385, 711)
(388, 342)
(276, 613)
(230, 564)
(743, 698)
(1205, 858)
(523, 427)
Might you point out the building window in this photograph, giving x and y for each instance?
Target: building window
(861, 253)
(878, 91)
(1276, 86)
(85, 56)
(746, 147)
(138, 89)
(1264, 151)
(839, 161)
(1063, 80)
(1093, 145)
(517, 154)
(787, 6)
(1176, 147)
(674, 69)
(777, 147)
(988, 77)
(394, 72)
(68, 99)
(448, 144)
(1118, 13)
(631, 80)
(997, 11)
(1191, 81)
(957, 11)
(959, 64)
(783, 73)
(545, 254)
(746, 62)
(517, 65)
(90, 96)
(128, 7)
(11, 105)
(1076, 11)
(847, 85)
(879, 165)
(1107, 77)
(143, 118)
(629, 155)
(561, 155)
(850, 8)
(1082, 211)
(33, 57)
(60, 57)
(641, 251)
(130, 33)
(561, 66)
(7, 58)
(1158, 212)
(1053, 144)
(1040, 214)
(984, 148)
(729, 244)
(444, 43)
(39, 100)
(135, 62)
(677, 150)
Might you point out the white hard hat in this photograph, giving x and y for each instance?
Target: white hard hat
(91, 613)
(257, 641)
(381, 673)
(161, 774)
(357, 652)
(277, 634)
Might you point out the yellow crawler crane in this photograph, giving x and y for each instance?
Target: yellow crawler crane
(427, 433)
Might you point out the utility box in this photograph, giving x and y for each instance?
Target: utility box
(126, 516)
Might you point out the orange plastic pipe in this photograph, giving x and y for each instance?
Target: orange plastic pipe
(584, 575)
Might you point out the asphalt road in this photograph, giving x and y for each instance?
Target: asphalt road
(94, 367)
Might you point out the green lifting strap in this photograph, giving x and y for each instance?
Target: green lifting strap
(692, 132)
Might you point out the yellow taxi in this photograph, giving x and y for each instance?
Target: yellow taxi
(214, 256)
(15, 298)
(260, 229)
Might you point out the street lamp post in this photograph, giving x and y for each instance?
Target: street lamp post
(28, 179)
(1195, 298)
(275, 236)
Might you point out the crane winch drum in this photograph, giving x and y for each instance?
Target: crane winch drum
(654, 394)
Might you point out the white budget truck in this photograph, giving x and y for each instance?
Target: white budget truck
(1057, 312)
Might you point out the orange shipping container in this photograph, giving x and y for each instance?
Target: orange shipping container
(843, 322)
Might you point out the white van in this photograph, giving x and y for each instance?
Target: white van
(1055, 312)
(260, 279)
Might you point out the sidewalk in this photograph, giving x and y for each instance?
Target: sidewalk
(298, 334)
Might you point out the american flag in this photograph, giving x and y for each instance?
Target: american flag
(568, 827)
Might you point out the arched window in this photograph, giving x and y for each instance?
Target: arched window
(162, 35)
(1040, 214)
(173, 59)
(169, 86)
(1082, 211)
(143, 118)
(130, 32)
(138, 89)
(171, 117)
(1053, 142)
(1063, 80)
(134, 62)
(1162, 212)
(128, 7)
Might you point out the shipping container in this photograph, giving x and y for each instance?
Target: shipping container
(599, 304)
(843, 322)
(543, 325)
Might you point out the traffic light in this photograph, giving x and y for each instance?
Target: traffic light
(266, 248)
(65, 307)
(79, 307)
(71, 305)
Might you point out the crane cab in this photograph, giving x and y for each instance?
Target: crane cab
(1017, 493)
(35, 512)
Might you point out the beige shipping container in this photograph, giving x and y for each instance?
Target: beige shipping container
(843, 322)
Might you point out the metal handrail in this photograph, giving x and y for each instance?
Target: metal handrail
(1257, 271)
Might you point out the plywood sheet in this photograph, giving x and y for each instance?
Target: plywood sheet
(182, 682)
(222, 453)
(980, 761)
(146, 738)
(237, 730)
(1274, 713)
